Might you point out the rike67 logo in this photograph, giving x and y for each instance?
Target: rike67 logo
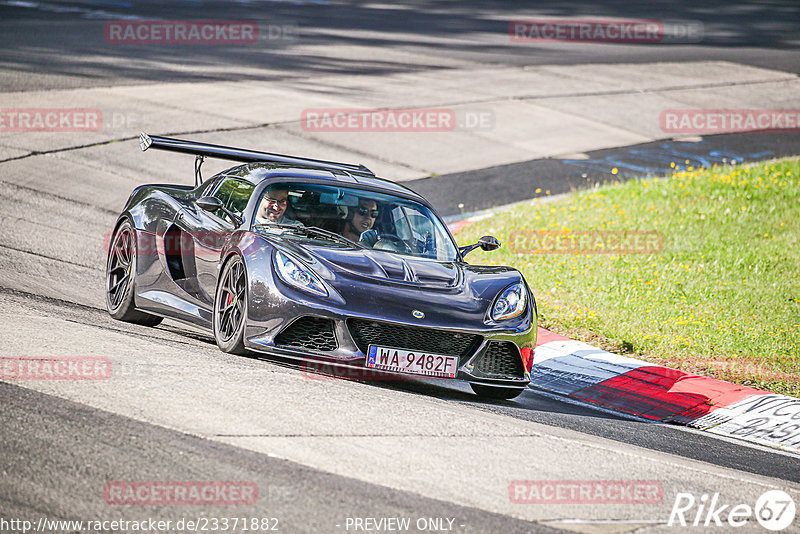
(774, 510)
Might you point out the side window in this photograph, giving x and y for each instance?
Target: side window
(417, 230)
(234, 194)
(401, 223)
(206, 187)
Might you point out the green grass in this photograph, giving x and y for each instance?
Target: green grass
(721, 298)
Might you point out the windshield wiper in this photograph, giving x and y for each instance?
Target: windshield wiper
(312, 230)
(326, 233)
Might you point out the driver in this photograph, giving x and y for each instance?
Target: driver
(272, 209)
(362, 219)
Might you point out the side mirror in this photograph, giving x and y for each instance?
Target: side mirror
(486, 243)
(212, 204)
(209, 203)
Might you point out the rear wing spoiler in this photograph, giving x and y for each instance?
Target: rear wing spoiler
(203, 150)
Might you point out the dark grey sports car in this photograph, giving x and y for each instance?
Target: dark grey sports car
(322, 262)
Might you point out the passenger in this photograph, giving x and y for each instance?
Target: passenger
(360, 219)
(272, 209)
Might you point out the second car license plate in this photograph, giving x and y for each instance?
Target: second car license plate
(416, 362)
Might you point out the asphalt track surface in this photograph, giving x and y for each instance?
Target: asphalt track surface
(58, 49)
(64, 480)
(58, 452)
(466, 192)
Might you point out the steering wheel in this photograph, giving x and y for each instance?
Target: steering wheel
(392, 243)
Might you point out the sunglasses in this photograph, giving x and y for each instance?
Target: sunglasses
(366, 212)
(276, 202)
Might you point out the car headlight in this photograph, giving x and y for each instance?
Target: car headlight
(510, 302)
(294, 273)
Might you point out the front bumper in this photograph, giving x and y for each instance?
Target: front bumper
(488, 357)
(435, 321)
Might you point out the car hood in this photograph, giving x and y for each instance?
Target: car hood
(382, 266)
(450, 294)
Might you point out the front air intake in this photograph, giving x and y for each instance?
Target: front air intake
(429, 340)
(501, 359)
(313, 334)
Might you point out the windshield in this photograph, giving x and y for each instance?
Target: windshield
(346, 217)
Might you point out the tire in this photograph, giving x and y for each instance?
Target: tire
(230, 307)
(496, 392)
(121, 278)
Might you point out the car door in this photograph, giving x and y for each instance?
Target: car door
(210, 232)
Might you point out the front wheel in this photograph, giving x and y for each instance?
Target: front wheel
(121, 278)
(495, 392)
(230, 307)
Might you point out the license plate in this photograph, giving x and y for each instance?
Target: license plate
(415, 362)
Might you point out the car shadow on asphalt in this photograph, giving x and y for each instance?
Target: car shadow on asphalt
(530, 404)
(459, 391)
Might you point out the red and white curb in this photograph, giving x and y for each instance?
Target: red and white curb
(590, 375)
(594, 376)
